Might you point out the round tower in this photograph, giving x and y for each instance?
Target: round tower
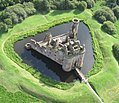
(74, 29)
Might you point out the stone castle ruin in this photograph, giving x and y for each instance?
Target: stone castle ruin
(65, 49)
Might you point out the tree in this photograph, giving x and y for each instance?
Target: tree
(82, 5)
(90, 3)
(29, 8)
(117, 2)
(116, 11)
(45, 6)
(104, 14)
(115, 49)
(111, 3)
(3, 27)
(19, 11)
(109, 27)
(14, 18)
(8, 21)
(37, 4)
(66, 5)
(7, 3)
(15, 14)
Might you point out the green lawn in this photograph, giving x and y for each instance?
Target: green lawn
(14, 78)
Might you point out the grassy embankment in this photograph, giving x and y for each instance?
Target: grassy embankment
(18, 78)
(52, 22)
(105, 82)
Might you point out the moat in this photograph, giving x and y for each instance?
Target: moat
(49, 67)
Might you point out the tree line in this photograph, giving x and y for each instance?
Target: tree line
(107, 15)
(6, 3)
(15, 11)
(49, 4)
(64, 4)
(15, 14)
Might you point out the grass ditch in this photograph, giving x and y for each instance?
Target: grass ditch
(17, 97)
(47, 99)
(98, 64)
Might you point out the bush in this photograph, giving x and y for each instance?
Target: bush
(29, 8)
(90, 3)
(37, 4)
(104, 14)
(116, 11)
(66, 5)
(8, 21)
(3, 27)
(111, 3)
(109, 27)
(56, 4)
(16, 14)
(7, 3)
(82, 6)
(115, 49)
(62, 4)
(117, 2)
(42, 5)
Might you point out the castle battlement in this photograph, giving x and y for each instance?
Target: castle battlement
(65, 49)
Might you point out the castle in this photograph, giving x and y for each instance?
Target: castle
(65, 49)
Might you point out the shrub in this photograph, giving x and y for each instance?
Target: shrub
(37, 4)
(62, 4)
(29, 8)
(109, 27)
(8, 21)
(56, 4)
(116, 11)
(117, 2)
(3, 27)
(16, 14)
(82, 6)
(111, 3)
(115, 49)
(66, 5)
(7, 3)
(45, 6)
(90, 3)
(104, 14)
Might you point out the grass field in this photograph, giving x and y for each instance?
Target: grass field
(15, 79)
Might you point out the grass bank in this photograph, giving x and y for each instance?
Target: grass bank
(40, 28)
(105, 81)
(19, 79)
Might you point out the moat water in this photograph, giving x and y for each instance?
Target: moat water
(49, 67)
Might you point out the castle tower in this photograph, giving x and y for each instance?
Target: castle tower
(74, 29)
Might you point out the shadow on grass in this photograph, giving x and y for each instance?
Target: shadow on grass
(33, 92)
(58, 12)
(5, 32)
(54, 83)
(117, 59)
(76, 12)
(92, 86)
(2, 34)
